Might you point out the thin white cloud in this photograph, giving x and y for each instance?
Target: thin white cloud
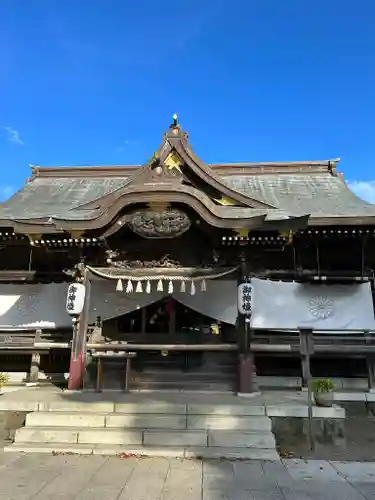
(6, 192)
(14, 136)
(364, 189)
(126, 144)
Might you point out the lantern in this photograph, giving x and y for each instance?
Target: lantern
(75, 299)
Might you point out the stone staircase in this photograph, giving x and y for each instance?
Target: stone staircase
(148, 428)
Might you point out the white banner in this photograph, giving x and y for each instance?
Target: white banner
(43, 306)
(34, 306)
(287, 306)
(275, 305)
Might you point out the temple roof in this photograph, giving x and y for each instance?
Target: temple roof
(59, 192)
(319, 194)
(274, 191)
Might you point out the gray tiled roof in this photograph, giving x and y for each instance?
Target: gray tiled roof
(319, 194)
(51, 197)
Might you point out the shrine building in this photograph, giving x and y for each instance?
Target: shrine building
(162, 249)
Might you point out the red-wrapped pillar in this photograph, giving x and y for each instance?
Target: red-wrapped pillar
(78, 352)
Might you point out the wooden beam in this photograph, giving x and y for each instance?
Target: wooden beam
(164, 347)
(32, 276)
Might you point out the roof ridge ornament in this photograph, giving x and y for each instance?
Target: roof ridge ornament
(332, 166)
(175, 130)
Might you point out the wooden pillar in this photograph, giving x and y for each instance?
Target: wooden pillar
(370, 363)
(99, 374)
(78, 352)
(35, 361)
(305, 371)
(34, 368)
(247, 372)
(306, 351)
(127, 372)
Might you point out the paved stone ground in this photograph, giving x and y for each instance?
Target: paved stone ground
(358, 445)
(63, 477)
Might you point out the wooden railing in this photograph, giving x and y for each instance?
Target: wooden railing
(356, 343)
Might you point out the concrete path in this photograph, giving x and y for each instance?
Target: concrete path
(63, 477)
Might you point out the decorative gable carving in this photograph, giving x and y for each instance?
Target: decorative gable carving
(159, 224)
(172, 165)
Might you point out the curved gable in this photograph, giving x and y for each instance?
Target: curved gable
(80, 197)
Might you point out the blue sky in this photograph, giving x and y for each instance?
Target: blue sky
(95, 82)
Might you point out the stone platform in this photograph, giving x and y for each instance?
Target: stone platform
(154, 424)
(275, 403)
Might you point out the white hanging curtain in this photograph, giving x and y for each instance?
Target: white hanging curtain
(219, 301)
(34, 306)
(281, 305)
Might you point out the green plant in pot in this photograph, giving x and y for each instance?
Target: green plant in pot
(4, 379)
(323, 392)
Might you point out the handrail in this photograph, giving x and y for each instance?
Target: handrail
(141, 347)
(164, 347)
(255, 347)
(366, 347)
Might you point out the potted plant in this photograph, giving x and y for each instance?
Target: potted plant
(323, 392)
(4, 379)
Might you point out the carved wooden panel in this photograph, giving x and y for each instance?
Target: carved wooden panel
(191, 249)
(162, 224)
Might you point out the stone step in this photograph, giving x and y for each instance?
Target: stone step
(65, 419)
(241, 439)
(146, 421)
(150, 408)
(180, 452)
(157, 407)
(184, 385)
(101, 420)
(116, 436)
(140, 421)
(230, 422)
(155, 421)
(250, 410)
